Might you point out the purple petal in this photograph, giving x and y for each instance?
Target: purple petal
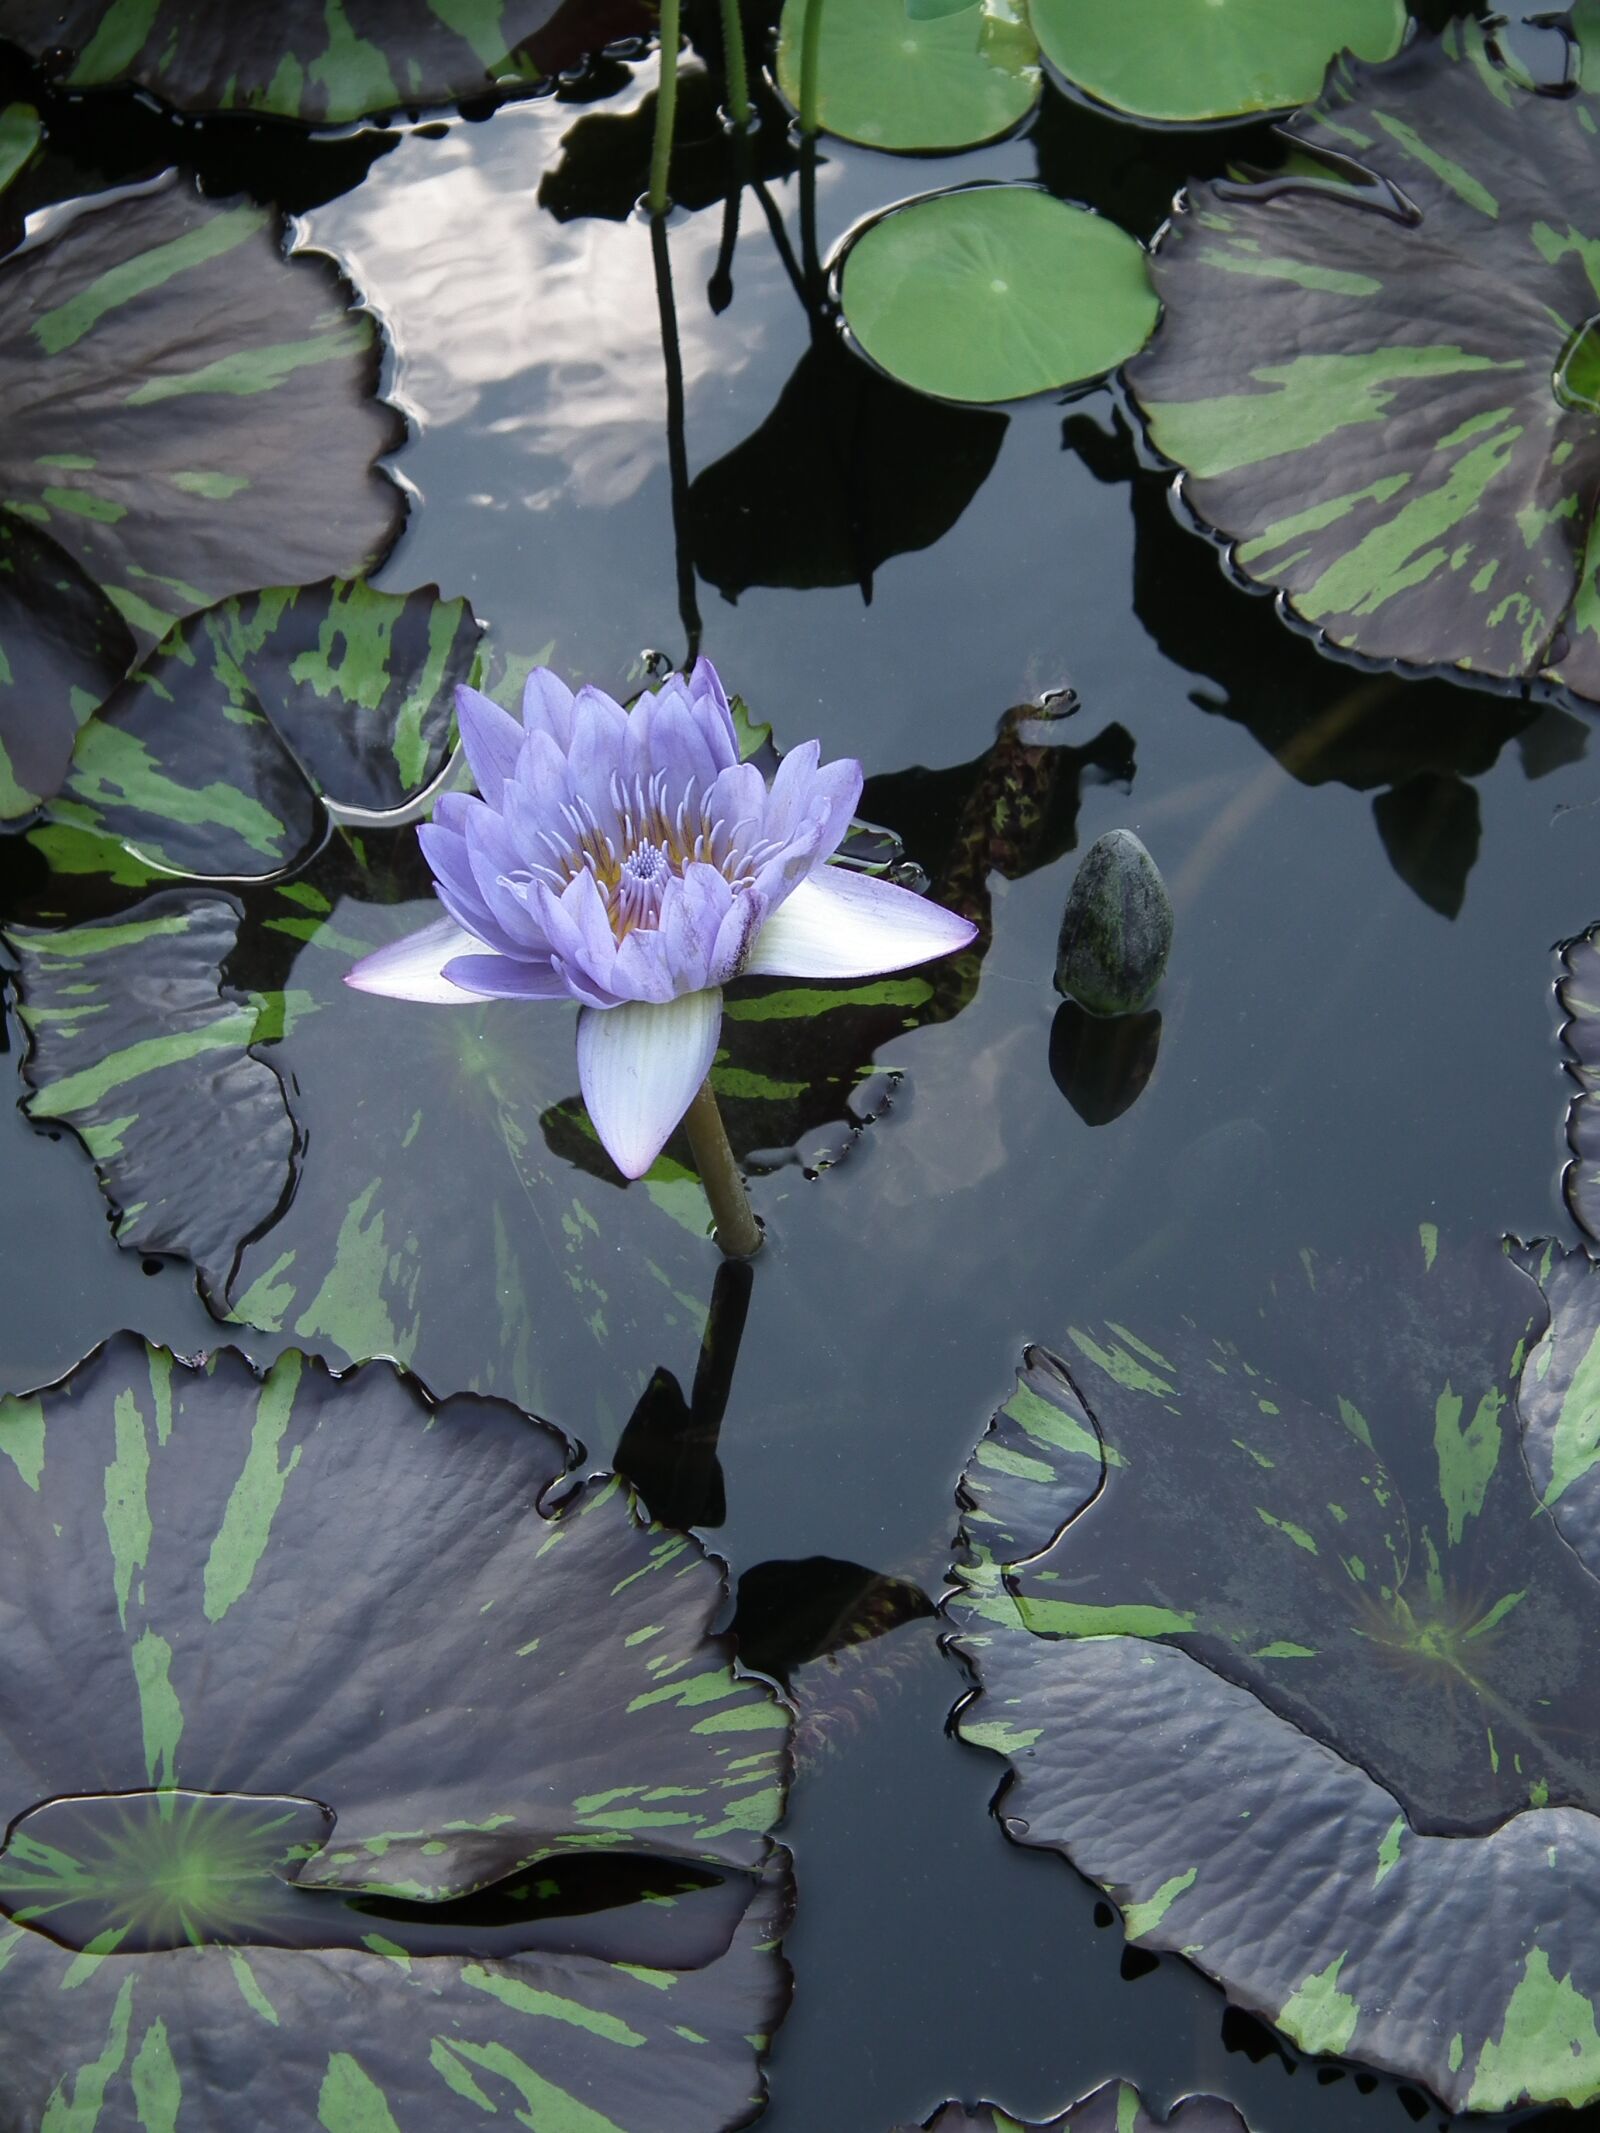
(711, 700)
(842, 925)
(413, 968)
(692, 911)
(492, 739)
(495, 863)
(643, 970)
(457, 889)
(678, 748)
(599, 743)
(639, 1067)
(735, 936)
(835, 796)
(547, 707)
(506, 977)
(579, 931)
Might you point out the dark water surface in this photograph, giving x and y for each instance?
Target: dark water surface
(1357, 1028)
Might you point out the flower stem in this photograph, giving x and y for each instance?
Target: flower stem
(738, 1232)
(659, 200)
(810, 53)
(733, 66)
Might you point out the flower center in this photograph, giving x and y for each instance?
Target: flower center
(638, 845)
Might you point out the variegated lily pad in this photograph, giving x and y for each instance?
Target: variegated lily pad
(225, 1686)
(1116, 2108)
(1327, 1728)
(188, 415)
(216, 755)
(306, 60)
(1383, 395)
(1579, 994)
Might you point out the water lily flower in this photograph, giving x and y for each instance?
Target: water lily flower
(629, 861)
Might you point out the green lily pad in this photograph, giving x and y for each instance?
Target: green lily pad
(1193, 60)
(991, 292)
(324, 65)
(1302, 1726)
(891, 79)
(1116, 2108)
(189, 414)
(1579, 994)
(216, 756)
(1378, 393)
(240, 1763)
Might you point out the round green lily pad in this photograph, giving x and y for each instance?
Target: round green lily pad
(995, 291)
(892, 77)
(1193, 60)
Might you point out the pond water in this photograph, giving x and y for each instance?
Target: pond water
(1357, 1027)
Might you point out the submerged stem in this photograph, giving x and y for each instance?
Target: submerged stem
(738, 1232)
(659, 200)
(733, 66)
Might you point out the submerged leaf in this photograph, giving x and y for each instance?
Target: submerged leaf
(309, 60)
(1383, 395)
(891, 79)
(188, 415)
(208, 1634)
(1283, 1699)
(991, 292)
(1193, 60)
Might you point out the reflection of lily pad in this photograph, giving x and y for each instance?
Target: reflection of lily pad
(214, 758)
(203, 1614)
(1179, 1703)
(306, 59)
(1379, 397)
(894, 80)
(1116, 2108)
(995, 291)
(884, 470)
(1207, 59)
(158, 360)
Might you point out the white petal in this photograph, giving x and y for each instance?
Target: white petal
(413, 968)
(639, 1066)
(837, 924)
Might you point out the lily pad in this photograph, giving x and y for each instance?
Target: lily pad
(1579, 994)
(1194, 60)
(215, 757)
(891, 79)
(97, 1055)
(206, 1633)
(1116, 2108)
(63, 649)
(1285, 1728)
(1378, 392)
(189, 414)
(306, 60)
(991, 292)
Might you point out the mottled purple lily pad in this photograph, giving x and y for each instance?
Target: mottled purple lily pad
(1314, 1708)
